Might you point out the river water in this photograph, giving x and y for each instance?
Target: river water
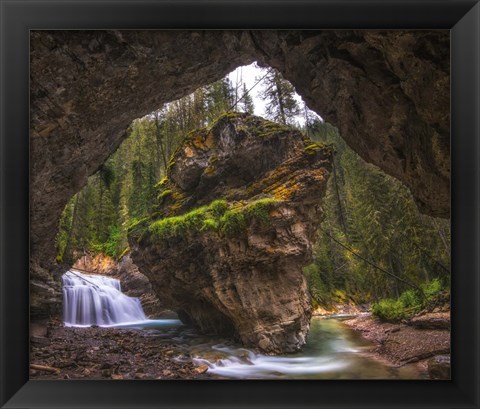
(333, 351)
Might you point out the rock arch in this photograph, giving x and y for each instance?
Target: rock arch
(387, 92)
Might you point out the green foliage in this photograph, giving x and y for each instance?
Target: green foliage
(216, 217)
(432, 289)
(409, 302)
(110, 245)
(125, 189)
(389, 310)
(163, 195)
(246, 103)
(279, 94)
(374, 215)
(410, 299)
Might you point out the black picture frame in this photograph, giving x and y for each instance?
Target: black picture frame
(17, 17)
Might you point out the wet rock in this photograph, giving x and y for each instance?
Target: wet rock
(201, 369)
(439, 367)
(238, 270)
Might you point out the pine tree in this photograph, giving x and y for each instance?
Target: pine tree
(246, 103)
(280, 97)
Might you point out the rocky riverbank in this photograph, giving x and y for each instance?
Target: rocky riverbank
(424, 340)
(58, 352)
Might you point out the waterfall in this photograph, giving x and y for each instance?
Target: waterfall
(97, 300)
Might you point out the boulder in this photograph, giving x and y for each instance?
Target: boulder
(232, 229)
(439, 367)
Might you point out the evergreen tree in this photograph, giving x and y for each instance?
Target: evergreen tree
(280, 97)
(246, 103)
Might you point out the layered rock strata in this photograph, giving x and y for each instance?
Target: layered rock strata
(233, 228)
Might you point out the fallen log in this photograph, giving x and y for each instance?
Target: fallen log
(44, 368)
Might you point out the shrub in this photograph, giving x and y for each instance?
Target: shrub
(410, 298)
(389, 310)
(432, 289)
(409, 302)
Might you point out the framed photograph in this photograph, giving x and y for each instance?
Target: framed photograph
(236, 204)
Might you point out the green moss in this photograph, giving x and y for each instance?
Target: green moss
(135, 224)
(237, 219)
(215, 217)
(260, 209)
(178, 225)
(210, 224)
(313, 148)
(218, 207)
(162, 183)
(163, 195)
(233, 222)
(123, 253)
(202, 218)
(267, 129)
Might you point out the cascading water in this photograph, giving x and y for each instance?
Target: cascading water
(97, 300)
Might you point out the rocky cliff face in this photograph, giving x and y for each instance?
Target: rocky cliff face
(134, 283)
(387, 92)
(234, 226)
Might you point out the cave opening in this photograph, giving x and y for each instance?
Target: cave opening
(348, 254)
(292, 213)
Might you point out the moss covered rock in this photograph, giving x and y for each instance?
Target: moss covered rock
(232, 229)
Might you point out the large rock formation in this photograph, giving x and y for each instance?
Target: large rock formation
(233, 229)
(387, 92)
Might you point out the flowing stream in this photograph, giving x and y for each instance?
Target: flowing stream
(333, 351)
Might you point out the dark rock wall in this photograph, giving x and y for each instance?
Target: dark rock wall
(386, 91)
